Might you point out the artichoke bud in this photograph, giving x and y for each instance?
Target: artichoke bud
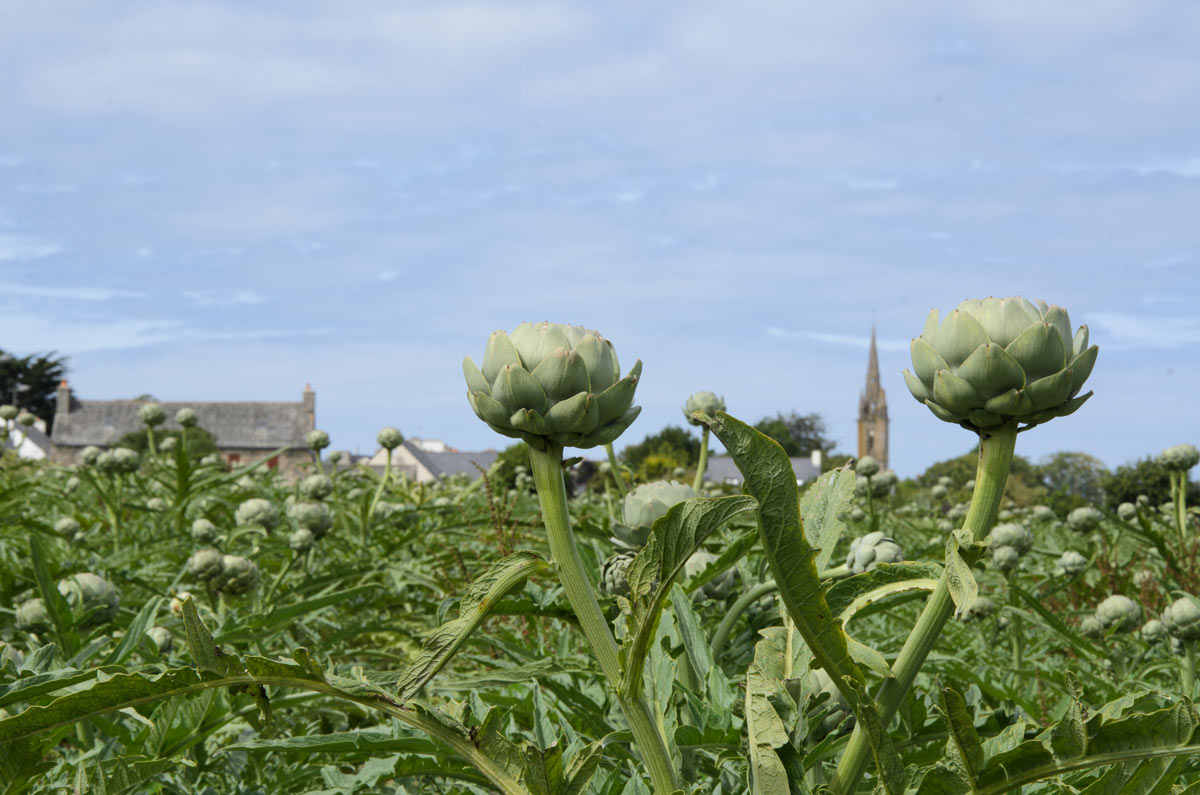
(1119, 613)
(8, 412)
(205, 565)
(389, 438)
(1072, 563)
(1091, 627)
(1153, 631)
(257, 511)
(1182, 618)
(867, 466)
(866, 552)
(719, 587)
(67, 526)
(1180, 457)
(317, 440)
(25, 419)
(301, 540)
(1006, 558)
(614, 574)
(1084, 519)
(316, 487)
(91, 594)
(994, 361)
(1013, 535)
(162, 638)
(551, 383)
(238, 576)
(981, 608)
(204, 531)
(32, 615)
(704, 402)
(938, 492)
(1127, 512)
(314, 516)
(152, 414)
(186, 418)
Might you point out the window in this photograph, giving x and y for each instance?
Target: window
(233, 458)
(273, 463)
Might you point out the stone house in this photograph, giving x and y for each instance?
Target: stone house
(31, 442)
(721, 469)
(426, 460)
(245, 430)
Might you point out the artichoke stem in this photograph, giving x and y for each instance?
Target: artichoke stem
(874, 518)
(616, 469)
(552, 495)
(1189, 667)
(995, 457)
(699, 481)
(730, 620)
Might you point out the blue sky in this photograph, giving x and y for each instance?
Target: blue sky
(226, 200)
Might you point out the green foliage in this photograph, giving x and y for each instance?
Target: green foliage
(798, 434)
(199, 441)
(503, 472)
(35, 378)
(1071, 480)
(671, 447)
(1144, 476)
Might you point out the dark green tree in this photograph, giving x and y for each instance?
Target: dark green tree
(31, 382)
(1071, 480)
(1145, 476)
(672, 442)
(199, 441)
(798, 434)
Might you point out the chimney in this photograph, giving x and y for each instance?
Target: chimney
(62, 402)
(309, 398)
(817, 459)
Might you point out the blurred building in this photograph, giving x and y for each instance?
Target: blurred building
(872, 413)
(425, 460)
(245, 431)
(722, 469)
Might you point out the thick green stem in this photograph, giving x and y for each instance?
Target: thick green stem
(699, 481)
(995, 456)
(874, 518)
(616, 470)
(744, 601)
(1180, 489)
(552, 494)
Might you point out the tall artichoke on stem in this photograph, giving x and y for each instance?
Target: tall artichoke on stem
(707, 403)
(991, 366)
(557, 386)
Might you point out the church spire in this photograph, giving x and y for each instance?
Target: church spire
(872, 412)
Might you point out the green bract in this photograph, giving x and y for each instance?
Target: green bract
(1119, 613)
(316, 487)
(8, 411)
(1012, 535)
(152, 414)
(257, 511)
(866, 552)
(312, 515)
(238, 575)
(1084, 519)
(1000, 359)
(1180, 457)
(203, 531)
(389, 438)
(1072, 562)
(867, 466)
(706, 402)
(187, 418)
(551, 383)
(162, 638)
(317, 440)
(1182, 618)
(645, 504)
(91, 594)
(1153, 631)
(32, 615)
(614, 574)
(205, 564)
(301, 540)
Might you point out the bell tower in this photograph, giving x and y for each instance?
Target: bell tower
(872, 413)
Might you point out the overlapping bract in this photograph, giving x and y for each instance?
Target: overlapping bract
(548, 382)
(1000, 359)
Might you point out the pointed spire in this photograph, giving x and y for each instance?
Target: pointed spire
(873, 367)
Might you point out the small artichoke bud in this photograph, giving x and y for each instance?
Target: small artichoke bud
(1006, 558)
(1119, 613)
(1000, 360)
(1084, 520)
(8, 412)
(705, 402)
(939, 491)
(1072, 563)
(32, 615)
(162, 639)
(719, 587)
(866, 552)
(547, 383)
(335, 456)
(91, 594)
(614, 574)
(1006, 515)
(878, 486)
(1012, 535)
(314, 516)
(186, 418)
(1127, 512)
(301, 540)
(1043, 513)
(1090, 627)
(121, 461)
(167, 444)
(1144, 577)
(257, 511)
(238, 576)
(840, 709)
(1143, 501)
(857, 514)
(25, 419)
(89, 454)
(177, 601)
(67, 526)
(204, 531)
(10, 653)
(71, 485)
(1182, 618)
(981, 608)
(156, 504)
(650, 501)
(152, 415)
(317, 440)
(867, 466)
(389, 438)
(1178, 458)
(212, 459)
(1153, 631)
(205, 565)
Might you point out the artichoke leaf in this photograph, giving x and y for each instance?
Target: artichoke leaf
(954, 393)
(488, 409)
(516, 389)
(530, 421)
(918, 389)
(562, 374)
(615, 401)
(1081, 367)
(926, 362)
(601, 360)
(1051, 391)
(1039, 350)
(499, 353)
(567, 415)
(475, 380)
(991, 371)
(1057, 317)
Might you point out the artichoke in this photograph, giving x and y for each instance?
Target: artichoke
(205, 565)
(167, 444)
(91, 594)
(1179, 457)
(1127, 512)
(389, 438)
(317, 440)
(67, 526)
(186, 418)
(162, 639)
(1071, 562)
(1182, 618)
(836, 703)
(1043, 513)
(1084, 519)
(238, 575)
(301, 540)
(25, 419)
(939, 491)
(1012, 535)
(10, 653)
(866, 552)
(152, 414)
(643, 506)
(718, 587)
(314, 516)
(316, 487)
(867, 466)
(614, 574)
(89, 455)
(8, 411)
(705, 402)
(32, 615)
(1091, 627)
(257, 511)
(1153, 631)
(981, 608)
(203, 531)
(548, 383)
(1119, 613)
(1006, 558)
(999, 360)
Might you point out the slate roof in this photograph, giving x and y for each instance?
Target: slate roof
(254, 425)
(34, 434)
(451, 463)
(721, 469)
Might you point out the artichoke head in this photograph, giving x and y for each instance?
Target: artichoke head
(548, 383)
(998, 360)
(706, 402)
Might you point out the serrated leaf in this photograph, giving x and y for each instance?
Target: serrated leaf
(842, 593)
(769, 478)
(581, 768)
(500, 580)
(136, 631)
(695, 641)
(821, 505)
(765, 730)
(964, 590)
(888, 767)
(964, 740)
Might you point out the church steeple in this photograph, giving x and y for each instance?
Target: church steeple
(872, 413)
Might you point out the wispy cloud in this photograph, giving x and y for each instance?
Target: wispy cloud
(38, 332)
(72, 293)
(1148, 331)
(1187, 167)
(837, 339)
(17, 248)
(214, 300)
(868, 183)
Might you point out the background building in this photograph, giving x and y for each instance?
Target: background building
(872, 413)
